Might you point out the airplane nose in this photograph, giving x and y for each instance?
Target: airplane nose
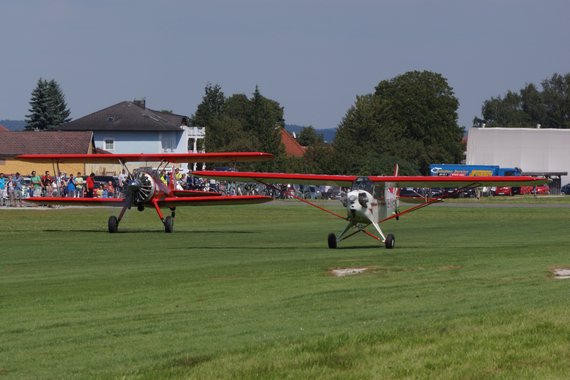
(134, 185)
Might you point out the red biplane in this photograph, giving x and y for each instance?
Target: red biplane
(374, 199)
(144, 187)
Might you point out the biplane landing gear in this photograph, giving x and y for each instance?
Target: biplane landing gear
(390, 241)
(168, 224)
(113, 224)
(332, 241)
(140, 207)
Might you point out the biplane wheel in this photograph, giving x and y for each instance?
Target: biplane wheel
(390, 241)
(168, 224)
(113, 224)
(332, 241)
(140, 207)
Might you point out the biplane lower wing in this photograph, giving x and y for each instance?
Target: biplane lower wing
(63, 201)
(201, 200)
(213, 200)
(195, 193)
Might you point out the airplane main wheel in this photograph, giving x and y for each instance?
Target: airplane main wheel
(390, 241)
(168, 224)
(113, 224)
(332, 241)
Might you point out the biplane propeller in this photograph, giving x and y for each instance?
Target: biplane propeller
(144, 187)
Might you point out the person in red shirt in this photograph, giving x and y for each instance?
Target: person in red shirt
(90, 184)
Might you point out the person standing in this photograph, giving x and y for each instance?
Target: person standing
(70, 187)
(120, 186)
(36, 184)
(90, 185)
(46, 184)
(18, 189)
(79, 186)
(2, 190)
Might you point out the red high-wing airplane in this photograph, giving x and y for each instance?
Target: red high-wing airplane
(144, 186)
(374, 199)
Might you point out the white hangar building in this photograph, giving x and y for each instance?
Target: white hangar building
(536, 151)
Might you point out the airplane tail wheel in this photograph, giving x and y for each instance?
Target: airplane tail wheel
(332, 241)
(113, 224)
(390, 241)
(168, 224)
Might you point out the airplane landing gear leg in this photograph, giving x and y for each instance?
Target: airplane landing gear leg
(390, 241)
(173, 214)
(113, 222)
(168, 224)
(332, 241)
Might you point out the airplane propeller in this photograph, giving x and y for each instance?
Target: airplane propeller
(140, 188)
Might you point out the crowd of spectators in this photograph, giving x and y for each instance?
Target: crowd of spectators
(15, 188)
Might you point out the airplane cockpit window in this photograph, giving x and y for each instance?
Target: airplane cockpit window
(362, 183)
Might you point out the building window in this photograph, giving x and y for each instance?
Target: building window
(168, 141)
(109, 144)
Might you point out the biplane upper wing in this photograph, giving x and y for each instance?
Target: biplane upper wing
(396, 181)
(148, 157)
(216, 200)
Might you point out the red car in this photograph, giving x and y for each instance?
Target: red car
(538, 190)
(503, 190)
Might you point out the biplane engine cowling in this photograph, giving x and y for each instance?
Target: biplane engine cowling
(141, 187)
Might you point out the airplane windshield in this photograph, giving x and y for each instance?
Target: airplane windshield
(362, 183)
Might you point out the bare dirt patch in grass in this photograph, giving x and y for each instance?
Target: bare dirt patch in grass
(341, 272)
(561, 273)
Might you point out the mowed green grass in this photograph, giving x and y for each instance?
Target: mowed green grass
(246, 292)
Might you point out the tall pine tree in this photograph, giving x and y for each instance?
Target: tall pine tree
(48, 108)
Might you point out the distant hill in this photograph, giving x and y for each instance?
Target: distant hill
(328, 133)
(14, 125)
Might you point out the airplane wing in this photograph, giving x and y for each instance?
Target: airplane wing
(216, 200)
(396, 181)
(446, 182)
(63, 201)
(313, 179)
(201, 200)
(149, 157)
(195, 193)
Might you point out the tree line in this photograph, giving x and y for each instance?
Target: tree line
(547, 106)
(410, 119)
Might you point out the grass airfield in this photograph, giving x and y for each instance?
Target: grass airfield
(246, 292)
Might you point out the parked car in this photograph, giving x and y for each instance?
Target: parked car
(565, 189)
(503, 190)
(536, 190)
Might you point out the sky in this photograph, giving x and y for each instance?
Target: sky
(312, 56)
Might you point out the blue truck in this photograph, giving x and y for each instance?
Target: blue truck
(458, 170)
